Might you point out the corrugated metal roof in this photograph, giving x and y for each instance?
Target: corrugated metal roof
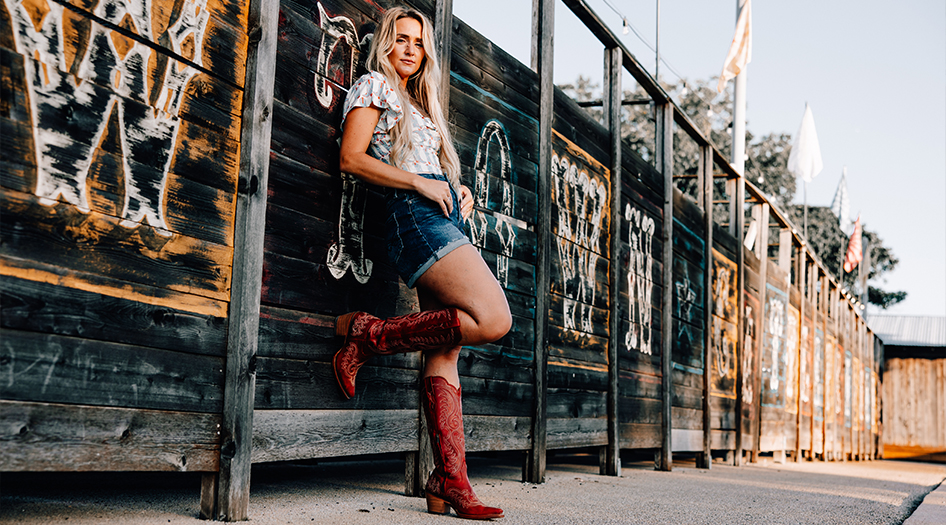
(909, 330)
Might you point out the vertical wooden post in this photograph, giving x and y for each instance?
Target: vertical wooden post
(614, 59)
(233, 491)
(784, 250)
(543, 27)
(738, 209)
(443, 33)
(824, 366)
(664, 158)
(706, 198)
(812, 278)
(800, 284)
(762, 250)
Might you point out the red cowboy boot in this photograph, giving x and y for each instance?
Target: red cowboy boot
(448, 485)
(366, 336)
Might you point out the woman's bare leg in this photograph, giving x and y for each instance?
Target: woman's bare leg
(462, 280)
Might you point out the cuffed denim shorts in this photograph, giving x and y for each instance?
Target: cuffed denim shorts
(418, 233)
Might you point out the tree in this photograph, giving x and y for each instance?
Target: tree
(710, 112)
(830, 245)
(766, 167)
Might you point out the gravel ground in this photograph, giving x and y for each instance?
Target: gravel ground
(371, 492)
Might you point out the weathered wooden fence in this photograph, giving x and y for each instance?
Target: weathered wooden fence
(177, 239)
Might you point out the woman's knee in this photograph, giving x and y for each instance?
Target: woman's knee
(495, 325)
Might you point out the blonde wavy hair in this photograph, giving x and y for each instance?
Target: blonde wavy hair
(423, 86)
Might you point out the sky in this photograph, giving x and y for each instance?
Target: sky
(874, 74)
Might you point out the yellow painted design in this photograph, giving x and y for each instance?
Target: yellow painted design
(573, 149)
(37, 10)
(179, 301)
(557, 361)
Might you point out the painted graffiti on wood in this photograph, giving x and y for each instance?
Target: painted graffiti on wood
(581, 196)
(348, 252)
(791, 359)
(505, 227)
(334, 30)
(774, 354)
(147, 110)
(749, 349)
(640, 286)
(724, 326)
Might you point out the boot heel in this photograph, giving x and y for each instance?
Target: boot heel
(342, 323)
(436, 505)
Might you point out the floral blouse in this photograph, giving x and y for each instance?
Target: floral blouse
(373, 90)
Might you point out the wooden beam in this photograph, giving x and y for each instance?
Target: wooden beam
(800, 285)
(706, 202)
(233, 491)
(443, 32)
(612, 466)
(664, 164)
(737, 227)
(543, 24)
(762, 248)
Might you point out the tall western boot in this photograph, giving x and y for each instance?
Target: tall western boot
(367, 336)
(448, 485)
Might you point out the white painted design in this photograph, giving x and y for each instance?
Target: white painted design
(640, 237)
(147, 134)
(581, 201)
(685, 298)
(723, 346)
(747, 357)
(505, 226)
(775, 327)
(334, 30)
(348, 252)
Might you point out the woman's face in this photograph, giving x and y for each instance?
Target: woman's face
(408, 53)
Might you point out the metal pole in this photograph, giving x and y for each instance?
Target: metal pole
(739, 164)
(657, 47)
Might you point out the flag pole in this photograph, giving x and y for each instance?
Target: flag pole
(806, 211)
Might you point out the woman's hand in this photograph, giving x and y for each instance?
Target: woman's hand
(466, 202)
(437, 191)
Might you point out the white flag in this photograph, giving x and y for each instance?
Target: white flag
(740, 52)
(805, 159)
(841, 204)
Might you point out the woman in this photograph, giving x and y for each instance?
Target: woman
(395, 136)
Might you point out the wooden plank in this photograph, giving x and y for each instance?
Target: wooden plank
(565, 433)
(664, 164)
(233, 491)
(56, 437)
(42, 307)
(738, 227)
(496, 433)
(612, 62)
(284, 384)
(97, 243)
(543, 22)
(48, 274)
(285, 435)
(57, 369)
(706, 193)
(638, 435)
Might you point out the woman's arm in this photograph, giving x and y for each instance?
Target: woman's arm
(354, 159)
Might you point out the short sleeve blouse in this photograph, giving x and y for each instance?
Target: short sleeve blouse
(373, 90)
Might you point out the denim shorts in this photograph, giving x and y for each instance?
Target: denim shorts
(418, 233)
